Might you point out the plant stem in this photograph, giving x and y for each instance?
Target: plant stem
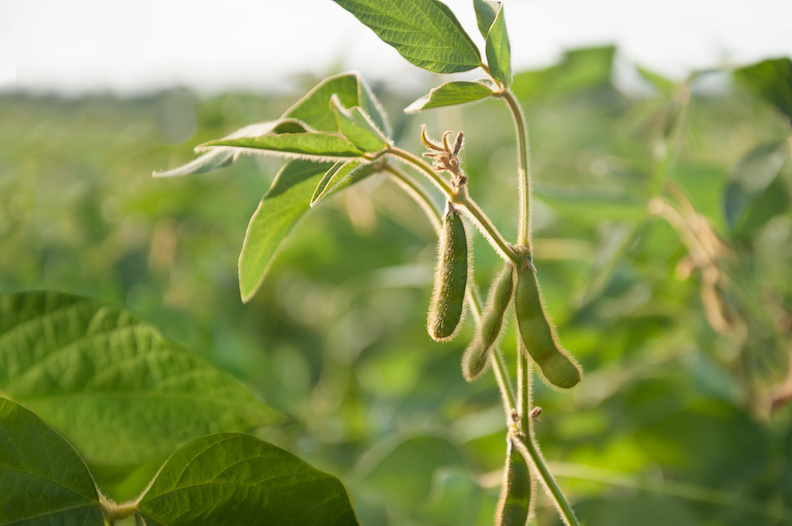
(524, 169)
(462, 199)
(496, 358)
(524, 439)
(527, 446)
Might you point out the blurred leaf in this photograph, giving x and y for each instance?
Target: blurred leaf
(281, 208)
(772, 79)
(770, 203)
(357, 127)
(450, 94)
(112, 384)
(405, 473)
(648, 510)
(493, 28)
(751, 175)
(579, 70)
(43, 480)
(425, 32)
(339, 177)
(454, 498)
(314, 108)
(661, 83)
(682, 443)
(231, 478)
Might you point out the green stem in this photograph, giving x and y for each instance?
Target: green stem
(524, 389)
(527, 446)
(524, 169)
(524, 440)
(463, 200)
(496, 358)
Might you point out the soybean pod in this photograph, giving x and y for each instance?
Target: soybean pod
(514, 504)
(450, 280)
(477, 353)
(539, 336)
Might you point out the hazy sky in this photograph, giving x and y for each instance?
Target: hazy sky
(129, 46)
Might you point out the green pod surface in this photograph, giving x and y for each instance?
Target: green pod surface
(477, 353)
(514, 504)
(539, 336)
(450, 280)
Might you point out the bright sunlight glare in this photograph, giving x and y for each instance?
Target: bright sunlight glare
(135, 46)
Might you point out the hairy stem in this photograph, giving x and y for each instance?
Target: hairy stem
(527, 446)
(467, 204)
(524, 439)
(524, 169)
(496, 358)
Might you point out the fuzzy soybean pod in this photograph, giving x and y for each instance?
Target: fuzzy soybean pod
(514, 504)
(539, 336)
(450, 280)
(477, 353)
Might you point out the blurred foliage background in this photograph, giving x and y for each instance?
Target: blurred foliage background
(662, 232)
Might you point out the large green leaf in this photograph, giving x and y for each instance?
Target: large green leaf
(425, 32)
(450, 94)
(772, 79)
(112, 384)
(493, 28)
(281, 208)
(43, 481)
(752, 174)
(233, 478)
(312, 111)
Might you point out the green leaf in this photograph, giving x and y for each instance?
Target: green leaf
(357, 127)
(220, 157)
(450, 94)
(43, 480)
(752, 174)
(339, 177)
(233, 478)
(772, 79)
(318, 146)
(281, 208)
(486, 12)
(205, 163)
(314, 108)
(112, 384)
(493, 28)
(425, 32)
(312, 111)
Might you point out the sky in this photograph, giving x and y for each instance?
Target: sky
(138, 46)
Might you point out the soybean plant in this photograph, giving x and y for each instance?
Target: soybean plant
(338, 135)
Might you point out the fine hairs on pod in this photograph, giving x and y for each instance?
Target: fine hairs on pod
(450, 279)
(477, 353)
